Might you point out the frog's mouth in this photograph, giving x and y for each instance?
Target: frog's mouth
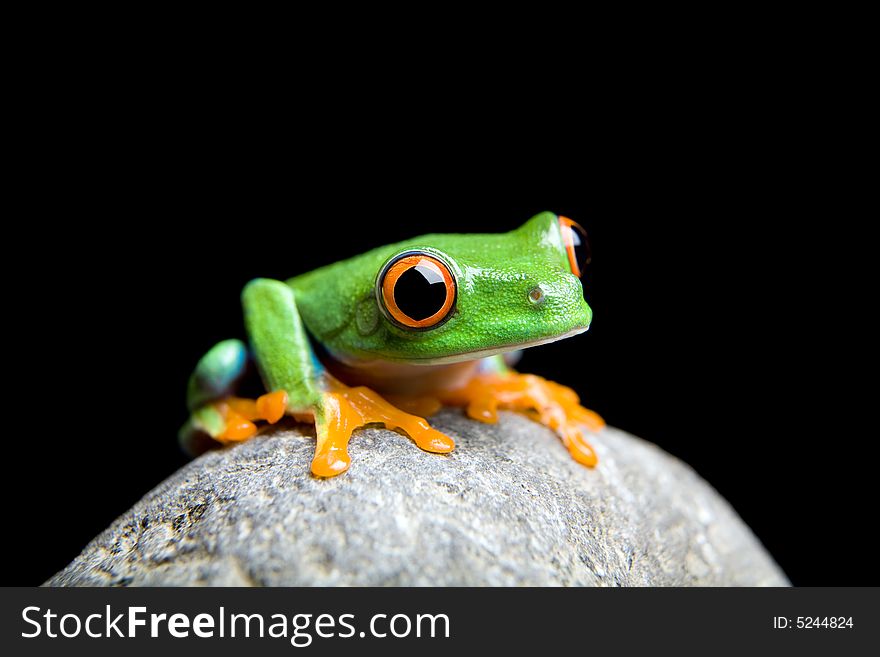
(493, 351)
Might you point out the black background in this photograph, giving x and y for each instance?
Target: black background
(717, 331)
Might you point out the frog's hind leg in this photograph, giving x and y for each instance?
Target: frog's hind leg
(216, 415)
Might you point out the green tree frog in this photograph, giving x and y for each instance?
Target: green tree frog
(389, 336)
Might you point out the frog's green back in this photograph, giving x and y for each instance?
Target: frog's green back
(496, 308)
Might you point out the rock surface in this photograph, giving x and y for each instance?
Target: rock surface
(507, 507)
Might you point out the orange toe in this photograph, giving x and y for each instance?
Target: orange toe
(430, 439)
(240, 414)
(483, 408)
(330, 463)
(238, 428)
(580, 450)
(272, 406)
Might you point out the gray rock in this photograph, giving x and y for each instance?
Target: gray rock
(507, 507)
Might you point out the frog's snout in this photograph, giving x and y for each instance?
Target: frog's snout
(554, 291)
(560, 300)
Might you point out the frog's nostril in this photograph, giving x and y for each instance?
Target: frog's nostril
(536, 295)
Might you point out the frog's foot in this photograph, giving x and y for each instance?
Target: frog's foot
(239, 416)
(553, 405)
(345, 409)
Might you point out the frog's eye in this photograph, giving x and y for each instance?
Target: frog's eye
(417, 290)
(575, 239)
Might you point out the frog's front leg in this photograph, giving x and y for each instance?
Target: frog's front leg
(288, 366)
(496, 386)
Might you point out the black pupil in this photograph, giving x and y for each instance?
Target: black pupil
(420, 291)
(582, 253)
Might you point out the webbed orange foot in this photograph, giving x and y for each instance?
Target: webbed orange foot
(240, 414)
(345, 409)
(553, 405)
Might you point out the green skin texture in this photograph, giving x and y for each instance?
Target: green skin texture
(339, 307)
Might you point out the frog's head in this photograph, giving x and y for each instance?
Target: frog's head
(448, 298)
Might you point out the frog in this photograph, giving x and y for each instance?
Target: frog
(391, 336)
